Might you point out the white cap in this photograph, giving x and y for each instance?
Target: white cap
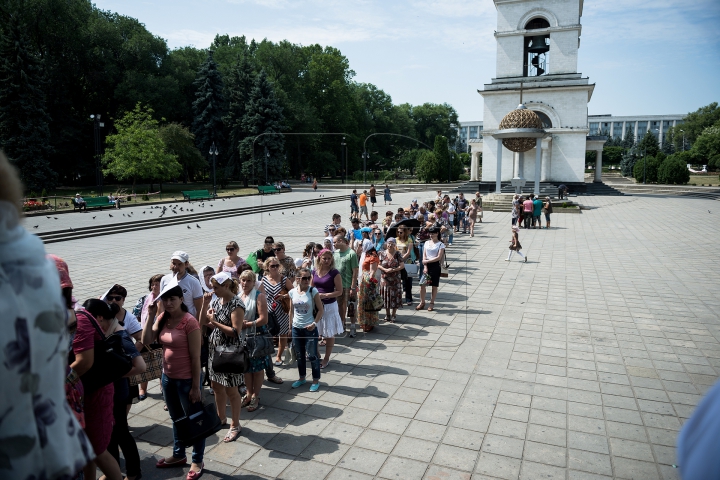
(298, 262)
(170, 285)
(180, 255)
(221, 277)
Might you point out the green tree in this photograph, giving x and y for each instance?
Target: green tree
(427, 166)
(208, 111)
(612, 155)
(180, 142)
(649, 144)
(695, 123)
(138, 151)
(408, 160)
(648, 174)
(432, 120)
(706, 149)
(465, 159)
(239, 84)
(627, 164)
(673, 169)
(442, 156)
(24, 122)
(590, 157)
(629, 140)
(263, 116)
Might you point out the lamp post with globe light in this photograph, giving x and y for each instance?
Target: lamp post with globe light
(214, 153)
(97, 125)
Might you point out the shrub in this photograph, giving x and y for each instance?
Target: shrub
(464, 176)
(146, 198)
(653, 164)
(673, 171)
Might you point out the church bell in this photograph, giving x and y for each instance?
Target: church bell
(537, 45)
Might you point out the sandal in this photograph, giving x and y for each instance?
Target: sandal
(431, 307)
(421, 306)
(195, 475)
(254, 404)
(276, 380)
(163, 464)
(232, 434)
(245, 401)
(322, 342)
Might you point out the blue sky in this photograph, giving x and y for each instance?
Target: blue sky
(647, 57)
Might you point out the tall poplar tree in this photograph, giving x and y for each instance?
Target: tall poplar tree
(208, 111)
(239, 84)
(24, 122)
(263, 115)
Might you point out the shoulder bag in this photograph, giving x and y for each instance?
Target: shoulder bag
(233, 359)
(153, 361)
(259, 345)
(110, 363)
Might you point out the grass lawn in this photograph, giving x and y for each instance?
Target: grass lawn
(710, 179)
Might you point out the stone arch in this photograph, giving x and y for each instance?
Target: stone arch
(546, 109)
(538, 12)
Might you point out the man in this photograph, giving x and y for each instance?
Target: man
(330, 231)
(354, 204)
(562, 190)
(335, 222)
(264, 253)
(373, 192)
(355, 235)
(462, 205)
(363, 205)
(439, 197)
(537, 211)
(80, 202)
(373, 217)
(192, 290)
(528, 211)
(346, 262)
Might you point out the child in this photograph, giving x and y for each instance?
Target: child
(515, 244)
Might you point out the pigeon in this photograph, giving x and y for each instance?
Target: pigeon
(198, 226)
(51, 217)
(71, 229)
(55, 218)
(36, 226)
(143, 212)
(709, 211)
(283, 213)
(110, 215)
(293, 213)
(211, 204)
(93, 218)
(123, 214)
(188, 227)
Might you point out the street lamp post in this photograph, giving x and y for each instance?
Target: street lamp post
(683, 132)
(97, 125)
(365, 156)
(343, 154)
(644, 167)
(452, 125)
(267, 159)
(214, 153)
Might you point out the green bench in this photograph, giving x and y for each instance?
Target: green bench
(196, 195)
(93, 202)
(266, 189)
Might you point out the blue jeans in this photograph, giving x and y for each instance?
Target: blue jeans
(306, 341)
(177, 398)
(463, 222)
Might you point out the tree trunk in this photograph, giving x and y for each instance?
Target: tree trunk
(133, 186)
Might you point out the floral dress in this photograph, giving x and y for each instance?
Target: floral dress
(218, 338)
(368, 286)
(391, 284)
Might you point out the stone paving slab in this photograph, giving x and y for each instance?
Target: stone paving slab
(582, 363)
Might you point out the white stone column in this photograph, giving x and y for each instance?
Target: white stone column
(498, 171)
(598, 166)
(521, 170)
(546, 158)
(474, 167)
(538, 165)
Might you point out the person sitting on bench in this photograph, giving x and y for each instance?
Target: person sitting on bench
(80, 202)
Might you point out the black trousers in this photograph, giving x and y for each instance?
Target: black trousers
(122, 438)
(407, 281)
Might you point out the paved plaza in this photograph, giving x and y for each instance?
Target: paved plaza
(581, 364)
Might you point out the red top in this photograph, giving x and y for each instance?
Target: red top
(86, 335)
(369, 260)
(528, 205)
(176, 348)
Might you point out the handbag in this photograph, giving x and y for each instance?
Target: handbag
(284, 302)
(411, 268)
(200, 424)
(273, 325)
(233, 359)
(444, 270)
(153, 362)
(110, 362)
(252, 261)
(259, 345)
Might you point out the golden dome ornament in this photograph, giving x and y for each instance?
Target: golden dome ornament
(520, 118)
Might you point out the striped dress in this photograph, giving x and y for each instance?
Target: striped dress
(272, 291)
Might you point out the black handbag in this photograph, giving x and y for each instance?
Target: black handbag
(200, 424)
(110, 362)
(273, 325)
(259, 345)
(231, 358)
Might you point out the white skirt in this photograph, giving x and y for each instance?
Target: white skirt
(330, 325)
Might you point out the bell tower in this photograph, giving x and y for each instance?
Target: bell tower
(537, 46)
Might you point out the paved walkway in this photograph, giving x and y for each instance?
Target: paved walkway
(582, 363)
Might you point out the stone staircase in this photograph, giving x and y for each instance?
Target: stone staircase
(503, 202)
(601, 189)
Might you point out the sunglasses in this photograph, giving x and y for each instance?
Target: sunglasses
(116, 298)
(268, 243)
(231, 249)
(305, 278)
(275, 266)
(279, 249)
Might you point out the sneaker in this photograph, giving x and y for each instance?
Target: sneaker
(298, 383)
(507, 259)
(314, 387)
(525, 258)
(353, 331)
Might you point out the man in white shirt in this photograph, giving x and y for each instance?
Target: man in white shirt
(192, 290)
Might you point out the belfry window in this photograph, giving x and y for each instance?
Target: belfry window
(536, 48)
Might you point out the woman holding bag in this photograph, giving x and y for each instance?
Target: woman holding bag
(275, 286)
(433, 254)
(305, 333)
(391, 263)
(254, 324)
(225, 315)
(179, 334)
(406, 247)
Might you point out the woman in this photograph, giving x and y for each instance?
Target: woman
(516, 212)
(315, 184)
(406, 246)
(328, 282)
(472, 211)
(368, 286)
(515, 244)
(232, 262)
(276, 286)
(98, 403)
(391, 263)
(179, 334)
(225, 315)
(387, 221)
(287, 264)
(433, 254)
(386, 193)
(121, 437)
(547, 210)
(117, 295)
(256, 318)
(305, 298)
